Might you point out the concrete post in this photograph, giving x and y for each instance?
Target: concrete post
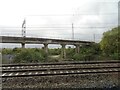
(46, 50)
(23, 45)
(77, 49)
(63, 52)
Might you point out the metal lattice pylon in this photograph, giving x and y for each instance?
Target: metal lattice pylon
(24, 28)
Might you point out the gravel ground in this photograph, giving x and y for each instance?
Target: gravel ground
(65, 81)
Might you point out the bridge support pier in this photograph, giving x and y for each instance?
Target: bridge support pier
(77, 49)
(63, 52)
(46, 50)
(23, 45)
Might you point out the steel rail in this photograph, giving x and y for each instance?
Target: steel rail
(61, 63)
(63, 73)
(52, 69)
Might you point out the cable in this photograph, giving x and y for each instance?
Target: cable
(73, 14)
(60, 27)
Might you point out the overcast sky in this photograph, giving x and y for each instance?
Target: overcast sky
(54, 18)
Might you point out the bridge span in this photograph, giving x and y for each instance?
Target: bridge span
(45, 42)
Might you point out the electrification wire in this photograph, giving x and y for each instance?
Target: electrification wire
(73, 14)
(62, 27)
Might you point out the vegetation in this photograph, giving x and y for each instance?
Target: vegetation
(110, 43)
(55, 51)
(26, 55)
(107, 49)
(29, 55)
(88, 53)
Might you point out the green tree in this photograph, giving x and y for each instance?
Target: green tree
(110, 43)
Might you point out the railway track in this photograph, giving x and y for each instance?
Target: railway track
(54, 65)
(25, 70)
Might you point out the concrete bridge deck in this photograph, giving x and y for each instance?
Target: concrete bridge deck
(33, 40)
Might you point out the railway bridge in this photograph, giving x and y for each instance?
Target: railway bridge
(45, 42)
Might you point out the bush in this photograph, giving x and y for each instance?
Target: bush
(29, 55)
(115, 56)
(70, 53)
(7, 51)
(77, 56)
(55, 51)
